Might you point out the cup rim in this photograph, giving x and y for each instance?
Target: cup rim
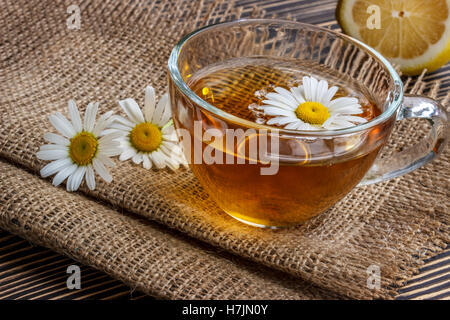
(396, 93)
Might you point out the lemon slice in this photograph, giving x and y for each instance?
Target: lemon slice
(414, 34)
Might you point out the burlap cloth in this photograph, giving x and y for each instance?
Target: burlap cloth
(123, 46)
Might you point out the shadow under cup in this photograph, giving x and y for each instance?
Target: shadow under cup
(294, 175)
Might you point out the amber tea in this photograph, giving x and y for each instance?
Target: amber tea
(313, 173)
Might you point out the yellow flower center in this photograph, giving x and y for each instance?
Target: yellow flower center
(82, 148)
(146, 137)
(312, 112)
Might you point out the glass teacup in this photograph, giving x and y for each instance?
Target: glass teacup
(294, 175)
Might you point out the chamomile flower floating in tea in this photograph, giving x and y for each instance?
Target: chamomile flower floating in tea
(148, 137)
(310, 107)
(80, 149)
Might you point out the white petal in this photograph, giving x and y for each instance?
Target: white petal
(107, 138)
(55, 166)
(46, 147)
(353, 119)
(89, 116)
(131, 108)
(75, 116)
(127, 154)
(137, 158)
(178, 155)
(340, 123)
(123, 121)
(167, 114)
(124, 141)
(170, 137)
(294, 125)
(113, 144)
(103, 122)
(328, 122)
(350, 109)
(105, 160)
(168, 149)
(322, 90)
(160, 107)
(286, 94)
(281, 120)
(183, 160)
(56, 139)
(90, 177)
(314, 84)
(69, 181)
(341, 102)
(63, 174)
(305, 126)
(283, 96)
(52, 154)
(121, 127)
(168, 130)
(62, 125)
(107, 131)
(164, 158)
(172, 158)
(149, 103)
(75, 179)
(110, 148)
(172, 163)
(101, 170)
(329, 95)
(306, 86)
(170, 144)
(297, 125)
(278, 104)
(146, 162)
(111, 152)
(274, 111)
(297, 93)
(157, 159)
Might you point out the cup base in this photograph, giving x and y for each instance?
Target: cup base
(253, 224)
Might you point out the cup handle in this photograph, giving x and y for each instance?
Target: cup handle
(423, 152)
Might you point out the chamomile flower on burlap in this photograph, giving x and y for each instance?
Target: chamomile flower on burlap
(311, 106)
(148, 135)
(81, 149)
